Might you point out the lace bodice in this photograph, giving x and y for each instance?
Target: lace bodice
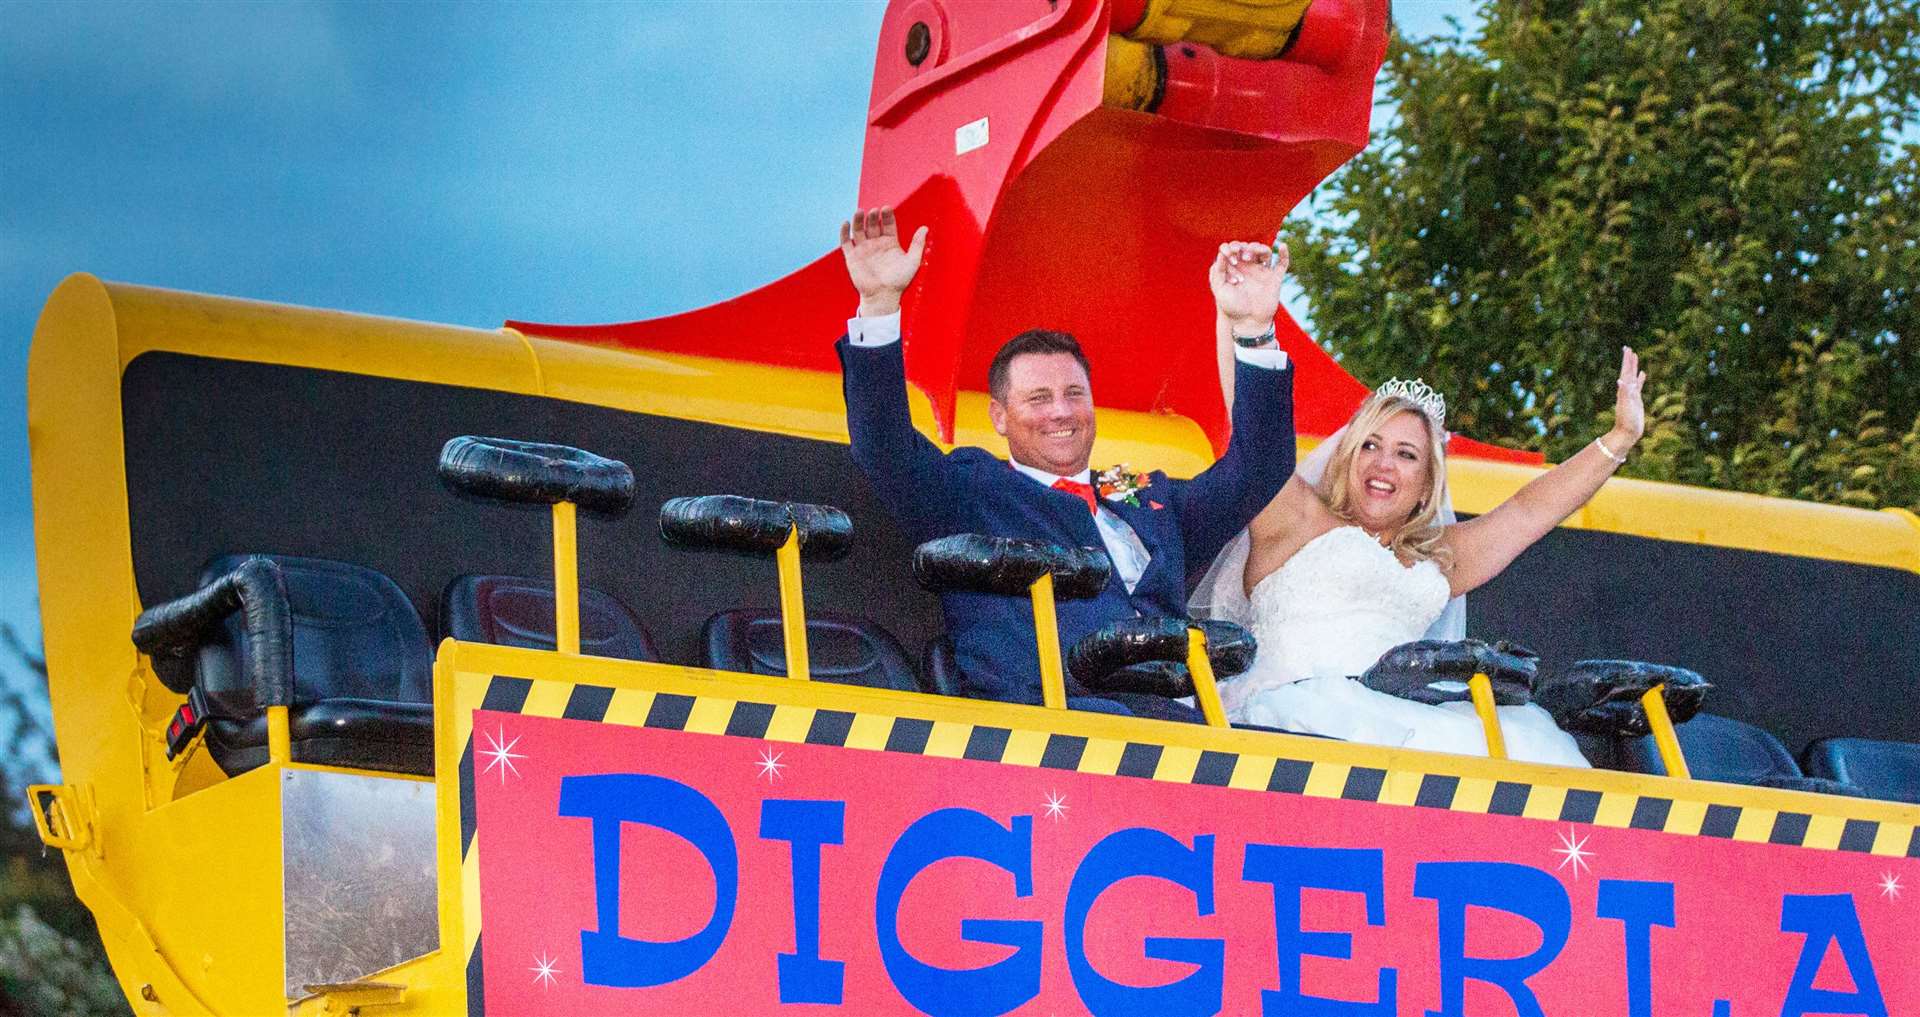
(1338, 604)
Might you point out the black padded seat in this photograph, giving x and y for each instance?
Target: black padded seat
(1886, 770)
(362, 674)
(1717, 748)
(939, 671)
(518, 611)
(846, 651)
(1602, 750)
(370, 734)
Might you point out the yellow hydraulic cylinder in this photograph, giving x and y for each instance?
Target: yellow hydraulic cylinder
(1134, 74)
(1206, 691)
(1251, 29)
(566, 579)
(1481, 687)
(1046, 636)
(793, 606)
(1654, 701)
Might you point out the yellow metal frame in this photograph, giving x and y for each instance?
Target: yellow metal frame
(1480, 687)
(160, 831)
(566, 578)
(1046, 639)
(1654, 702)
(1206, 691)
(793, 606)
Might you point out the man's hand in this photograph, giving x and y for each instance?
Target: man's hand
(1246, 285)
(880, 270)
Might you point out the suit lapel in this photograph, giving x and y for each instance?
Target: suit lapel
(1146, 525)
(1066, 511)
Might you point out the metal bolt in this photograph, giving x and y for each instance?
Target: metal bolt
(919, 43)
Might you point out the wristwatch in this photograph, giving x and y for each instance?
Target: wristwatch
(1254, 341)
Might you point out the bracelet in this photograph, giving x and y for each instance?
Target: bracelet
(1605, 451)
(1254, 341)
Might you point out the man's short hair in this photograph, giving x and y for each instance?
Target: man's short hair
(1033, 340)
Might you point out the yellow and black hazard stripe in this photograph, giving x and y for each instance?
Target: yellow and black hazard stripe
(1180, 764)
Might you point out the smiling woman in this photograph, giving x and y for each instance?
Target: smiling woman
(1345, 568)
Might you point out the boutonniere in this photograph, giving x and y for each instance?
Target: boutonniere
(1122, 484)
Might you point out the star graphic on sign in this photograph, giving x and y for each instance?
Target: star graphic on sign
(1889, 886)
(499, 753)
(1056, 806)
(544, 969)
(770, 765)
(1573, 851)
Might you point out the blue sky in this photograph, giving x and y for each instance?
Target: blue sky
(459, 163)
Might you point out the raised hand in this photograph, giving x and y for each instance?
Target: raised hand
(1246, 284)
(879, 268)
(1629, 413)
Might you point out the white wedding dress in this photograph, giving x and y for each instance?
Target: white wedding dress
(1328, 614)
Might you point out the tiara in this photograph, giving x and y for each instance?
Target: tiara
(1419, 393)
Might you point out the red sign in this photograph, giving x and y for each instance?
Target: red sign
(634, 870)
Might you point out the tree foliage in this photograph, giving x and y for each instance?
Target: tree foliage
(51, 960)
(1721, 184)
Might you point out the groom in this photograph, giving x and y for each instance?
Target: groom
(1159, 533)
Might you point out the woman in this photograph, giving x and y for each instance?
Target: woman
(1341, 567)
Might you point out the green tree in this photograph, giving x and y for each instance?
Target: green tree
(1719, 183)
(51, 960)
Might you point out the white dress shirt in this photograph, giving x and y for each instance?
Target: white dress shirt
(1124, 547)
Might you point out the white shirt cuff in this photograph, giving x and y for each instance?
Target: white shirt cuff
(878, 331)
(1272, 358)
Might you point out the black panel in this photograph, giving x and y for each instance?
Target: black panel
(1803, 647)
(227, 457)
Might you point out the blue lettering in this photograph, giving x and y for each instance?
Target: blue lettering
(610, 799)
(1824, 919)
(1517, 889)
(1144, 852)
(1292, 869)
(804, 976)
(961, 992)
(1639, 906)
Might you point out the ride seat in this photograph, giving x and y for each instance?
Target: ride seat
(846, 651)
(939, 669)
(518, 611)
(1717, 748)
(1884, 770)
(362, 673)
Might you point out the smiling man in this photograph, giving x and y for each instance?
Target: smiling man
(1160, 533)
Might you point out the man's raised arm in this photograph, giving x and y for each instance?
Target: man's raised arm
(1258, 385)
(906, 470)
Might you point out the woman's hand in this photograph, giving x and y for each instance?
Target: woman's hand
(1246, 284)
(1629, 413)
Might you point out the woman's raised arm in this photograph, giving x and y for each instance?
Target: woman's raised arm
(1483, 546)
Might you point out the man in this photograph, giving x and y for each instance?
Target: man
(1160, 534)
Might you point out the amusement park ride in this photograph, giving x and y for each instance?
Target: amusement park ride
(360, 714)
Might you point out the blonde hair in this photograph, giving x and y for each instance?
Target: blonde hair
(1421, 536)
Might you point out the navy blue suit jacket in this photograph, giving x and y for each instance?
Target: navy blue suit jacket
(934, 494)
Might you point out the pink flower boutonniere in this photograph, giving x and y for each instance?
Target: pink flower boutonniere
(1122, 484)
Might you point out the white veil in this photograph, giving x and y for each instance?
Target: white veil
(1222, 592)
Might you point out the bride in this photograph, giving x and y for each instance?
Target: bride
(1360, 553)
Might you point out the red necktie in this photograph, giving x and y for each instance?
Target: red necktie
(1082, 491)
